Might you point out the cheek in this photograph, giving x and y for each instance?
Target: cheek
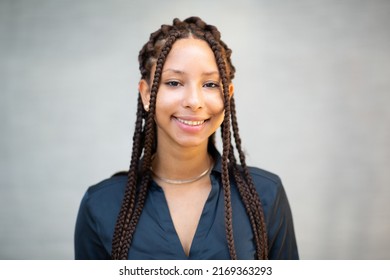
(166, 105)
(216, 104)
(165, 101)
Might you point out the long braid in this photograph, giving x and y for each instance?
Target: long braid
(255, 206)
(155, 52)
(128, 203)
(148, 143)
(249, 194)
(246, 198)
(210, 38)
(130, 213)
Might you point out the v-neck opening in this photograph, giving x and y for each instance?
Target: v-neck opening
(201, 227)
(202, 230)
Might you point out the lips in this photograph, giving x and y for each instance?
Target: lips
(191, 123)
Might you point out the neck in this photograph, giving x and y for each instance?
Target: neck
(181, 163)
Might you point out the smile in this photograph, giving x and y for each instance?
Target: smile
(191, 123)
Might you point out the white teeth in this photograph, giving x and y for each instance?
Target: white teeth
(191, 123)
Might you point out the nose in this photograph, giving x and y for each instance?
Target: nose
(193, 98)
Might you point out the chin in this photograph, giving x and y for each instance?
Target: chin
(192, 143)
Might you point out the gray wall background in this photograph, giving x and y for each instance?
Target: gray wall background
(312, 89)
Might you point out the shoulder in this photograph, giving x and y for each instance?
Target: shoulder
(264, 176)
(277, 214)
(264, 179)
(108, 191)
(110, 185)
(269, 186)
(97, 217)
(102, 201)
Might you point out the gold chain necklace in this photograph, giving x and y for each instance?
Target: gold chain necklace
(184, 181)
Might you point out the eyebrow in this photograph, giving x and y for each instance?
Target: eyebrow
(174, 71)
(183, 73)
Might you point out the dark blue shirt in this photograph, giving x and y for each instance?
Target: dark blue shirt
(155, 236)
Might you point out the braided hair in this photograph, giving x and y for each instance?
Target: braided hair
(155, 52)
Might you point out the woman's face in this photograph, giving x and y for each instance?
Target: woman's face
(189, 105)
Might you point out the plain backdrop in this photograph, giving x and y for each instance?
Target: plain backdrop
(312, 91)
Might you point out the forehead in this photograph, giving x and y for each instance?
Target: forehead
(190, 51)
(185, 42)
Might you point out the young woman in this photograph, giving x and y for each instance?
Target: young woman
(182, 199)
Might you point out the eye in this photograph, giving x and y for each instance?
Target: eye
(211, 85)
(173, 83)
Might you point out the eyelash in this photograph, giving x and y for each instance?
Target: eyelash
(211, 85)
(173, 83)
(176, 83)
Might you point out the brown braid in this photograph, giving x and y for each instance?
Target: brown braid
(226, 141)
(255, 207)
(125, 227)
(155, 52)
(129, 197)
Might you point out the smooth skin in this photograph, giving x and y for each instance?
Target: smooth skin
(189, 109)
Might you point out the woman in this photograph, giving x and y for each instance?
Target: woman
(180, 198)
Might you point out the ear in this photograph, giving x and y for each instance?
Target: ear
(231, 90)
(144, 90)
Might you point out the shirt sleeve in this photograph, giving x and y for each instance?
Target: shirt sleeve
(87, 243)
(281, 236)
